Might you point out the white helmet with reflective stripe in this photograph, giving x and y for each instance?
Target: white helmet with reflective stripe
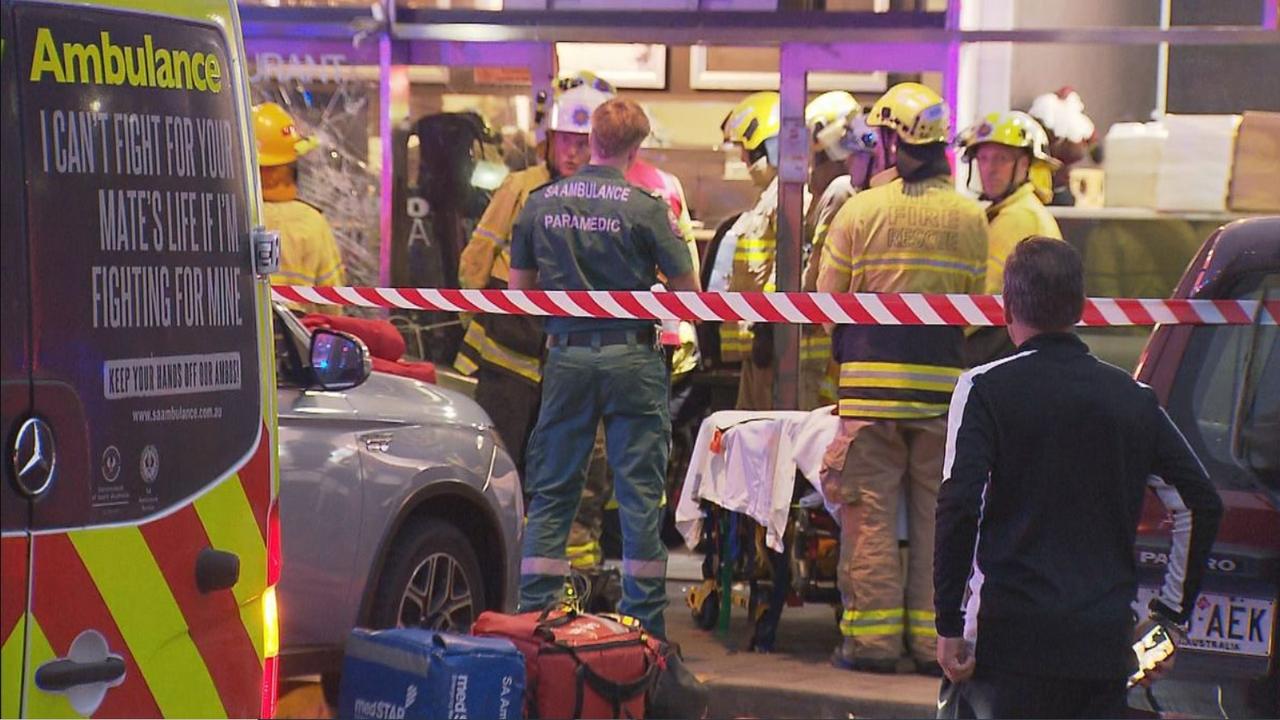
(850, 136)
(824, 114)
(576, 98)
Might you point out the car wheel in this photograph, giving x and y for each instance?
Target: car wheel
(431, 580)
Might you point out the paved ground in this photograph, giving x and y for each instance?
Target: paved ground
(794, 682)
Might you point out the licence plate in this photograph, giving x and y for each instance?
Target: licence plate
(1226, 623)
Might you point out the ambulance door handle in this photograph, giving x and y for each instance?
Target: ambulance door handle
(64, 674)
(216, 570)
(85, 674)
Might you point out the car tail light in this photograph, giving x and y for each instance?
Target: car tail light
(271, 616)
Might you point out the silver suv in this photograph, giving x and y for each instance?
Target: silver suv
(399, 506)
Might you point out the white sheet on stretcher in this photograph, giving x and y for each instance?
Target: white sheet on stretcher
(754, 473)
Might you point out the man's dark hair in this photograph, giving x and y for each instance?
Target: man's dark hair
(921, 162)
(1044, 284)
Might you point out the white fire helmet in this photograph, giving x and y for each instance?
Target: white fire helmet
(572, 108)
(848, 136)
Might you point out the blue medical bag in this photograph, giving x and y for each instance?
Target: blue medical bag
(411, 673)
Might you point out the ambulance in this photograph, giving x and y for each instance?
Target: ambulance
(140, 532)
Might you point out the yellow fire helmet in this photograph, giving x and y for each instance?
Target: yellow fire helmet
(827, 117)
(279, 141)
(1015, 129)
(576, 97)
(915, 112)
(1012, 129)
(754, 120)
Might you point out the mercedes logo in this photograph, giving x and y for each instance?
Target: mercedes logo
(33, 457)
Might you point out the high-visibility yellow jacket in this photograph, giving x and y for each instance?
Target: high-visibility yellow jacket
(755, 253)
(513, 344)
(817, 386)
(1014, 219)
(903, 237)
(832, 199)
(308, 251)
(507, 343)
(486, 254)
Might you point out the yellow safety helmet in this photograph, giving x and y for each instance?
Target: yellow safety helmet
(915, 112)
(827, 117)
(754, 120)
(279, 142)
(1015, 129)
(584, 77)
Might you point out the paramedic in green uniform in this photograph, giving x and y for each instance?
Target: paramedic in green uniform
(596, 231)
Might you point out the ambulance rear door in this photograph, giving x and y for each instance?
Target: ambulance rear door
(24, 462)
(150, 362)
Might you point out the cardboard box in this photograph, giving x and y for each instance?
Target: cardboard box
(409, 673)
(1133, 152)
(1195, 167)
(1255, 177)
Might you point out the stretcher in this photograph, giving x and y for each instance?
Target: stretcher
(752, 504)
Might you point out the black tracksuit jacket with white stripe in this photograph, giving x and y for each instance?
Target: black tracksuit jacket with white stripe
(1049, 454)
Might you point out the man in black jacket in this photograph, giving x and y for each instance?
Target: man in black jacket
(1049, 455)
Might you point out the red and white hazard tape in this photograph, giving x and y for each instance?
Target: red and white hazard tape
(845, 308)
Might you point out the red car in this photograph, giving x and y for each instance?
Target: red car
(1221, 386)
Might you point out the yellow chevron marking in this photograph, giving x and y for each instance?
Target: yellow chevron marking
(228, 519)
(40, 704)
(11, 669)
(138, 597)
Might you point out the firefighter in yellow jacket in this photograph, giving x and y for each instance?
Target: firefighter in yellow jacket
(308, 252)
(844, 158)
(748, 252)
(504, 352)
(914, 234)
(1016, 171)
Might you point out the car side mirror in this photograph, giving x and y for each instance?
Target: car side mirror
(339, 361)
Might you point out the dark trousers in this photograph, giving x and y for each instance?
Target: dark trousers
(1001, 694)
(627, 386)
(512, 404)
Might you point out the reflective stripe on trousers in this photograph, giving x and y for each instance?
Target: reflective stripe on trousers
(874, 465)
(557, 567)
(922, 623)
(855, 623)
(627, 386)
